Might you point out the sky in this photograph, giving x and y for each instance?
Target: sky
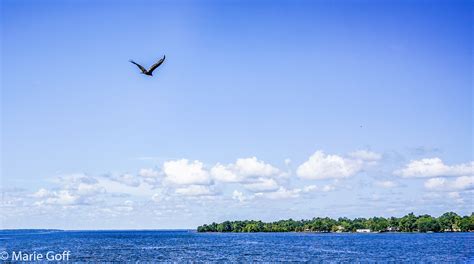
(262, 110)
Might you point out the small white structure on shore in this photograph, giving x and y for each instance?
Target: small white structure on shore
(362, 230)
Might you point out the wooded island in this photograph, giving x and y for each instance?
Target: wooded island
(448, 222)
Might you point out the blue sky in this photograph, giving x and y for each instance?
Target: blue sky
(262, 110)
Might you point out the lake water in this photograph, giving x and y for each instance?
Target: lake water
(185, 245)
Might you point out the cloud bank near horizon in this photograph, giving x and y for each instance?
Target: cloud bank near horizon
(178, 184)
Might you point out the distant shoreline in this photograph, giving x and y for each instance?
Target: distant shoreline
(448, 222)
(90, 230)
(342, 233)
(43, 231)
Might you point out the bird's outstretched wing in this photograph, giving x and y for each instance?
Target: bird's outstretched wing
(139, 66)
(156, 65)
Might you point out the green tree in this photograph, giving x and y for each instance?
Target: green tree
(377, 224)
(449, 221)
(467, 223)
(408, 223)
(427, 223)
(393, 222)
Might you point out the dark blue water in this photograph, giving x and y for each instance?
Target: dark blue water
(182, 246)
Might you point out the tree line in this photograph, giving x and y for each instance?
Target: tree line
(448, 222)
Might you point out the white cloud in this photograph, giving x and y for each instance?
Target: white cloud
(435, 183)
(454, 195)
(310, 188)
(463, 183)
(284, 193)
(321, 166)
(328, 188)
(11, 201)
(123, 208)
(254, 167)
(127, 179)
(184, 172)
(434, 167)
(74, 179)
(281, 193)
(83, 189)
(244, 170)
(157, 197)
(386, 184)
(74, 189)
(148, 173)
(262, 185)
(143, 189)
(460, 183)
(194, 190)
(41, 193)
(365, 155)
(253, 174)
(223, 174)
(160, 196)
(62, 197)
(236, 195)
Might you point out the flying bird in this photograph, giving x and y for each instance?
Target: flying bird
(149, 72)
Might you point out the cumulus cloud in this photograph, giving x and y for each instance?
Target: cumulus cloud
(254, 167)
(435, 183)
(310, 188)
(281, 193)
(121, 188)
(324, 166)
(434, 167)
(41, 193)
(61, 197)
(460, 183)
(183, 178)
(253, 174)
(328, 188)
(456, 197)
(365, 155)
(148, 173)
(224, 174)
(12, 198)
(127, 179)
(386, 184)
(126, 206)
(262, 185)
(463, 183)
(239, 196)
(184, 172)
(80, 189)
(195, 190)
(75, 179)
(157, 197)
(285, 193)
(244, 169)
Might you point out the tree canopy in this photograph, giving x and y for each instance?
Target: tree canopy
(448, 222)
